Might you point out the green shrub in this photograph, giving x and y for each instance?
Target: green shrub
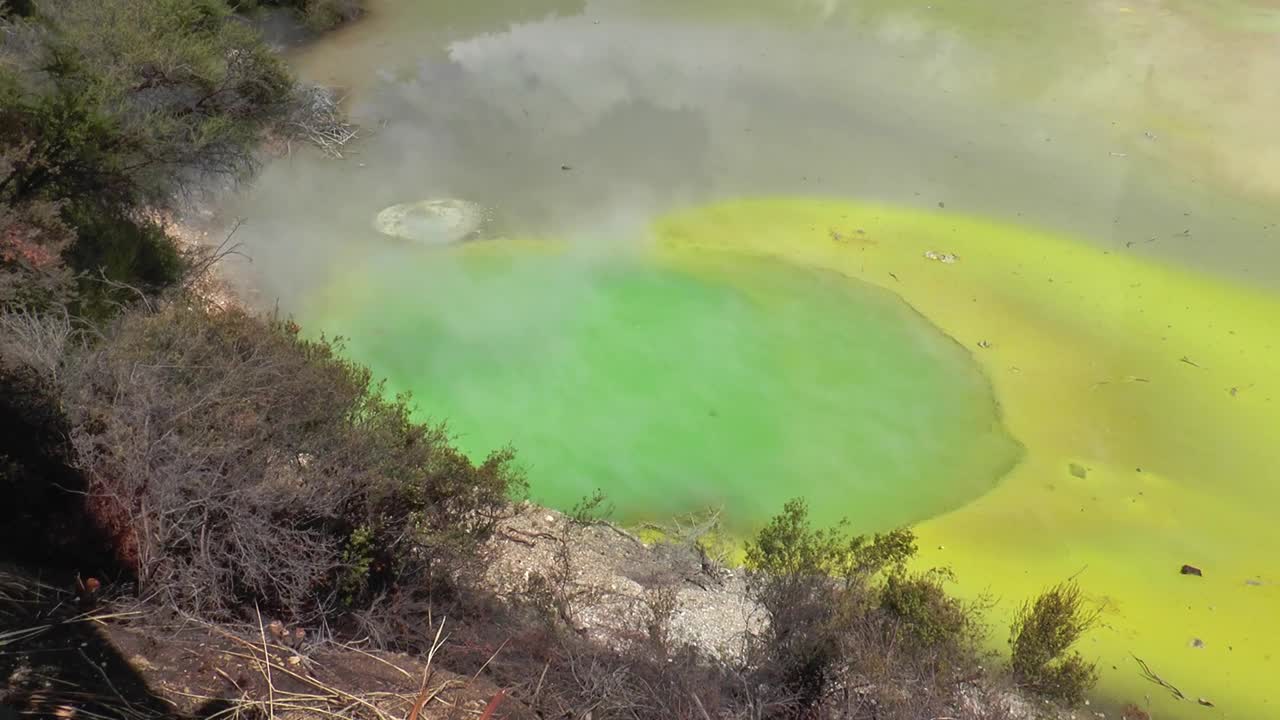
(33, 273)
(813, 585)
(1042, 634)
(117, 257)
(936, 620)
(318, 15)
(788, 546)
(133, 98)
(110, 108)
(327, 14)
(16, 7)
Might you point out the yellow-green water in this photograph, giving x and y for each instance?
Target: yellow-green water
(1163, 385)
(733, 383)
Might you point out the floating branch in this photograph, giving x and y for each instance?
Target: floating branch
(1152, 677)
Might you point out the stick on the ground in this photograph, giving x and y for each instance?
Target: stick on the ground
(266, 660)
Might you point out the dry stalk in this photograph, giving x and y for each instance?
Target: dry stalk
(1151, 676)
(266, 659)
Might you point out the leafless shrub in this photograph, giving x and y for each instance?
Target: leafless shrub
(660, 605)
(316, 116)
(700, 533)
(233, 462)
(35, 340)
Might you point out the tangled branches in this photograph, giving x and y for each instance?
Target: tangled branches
(316, 117)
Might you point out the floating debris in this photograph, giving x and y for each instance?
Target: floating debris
(946, 258)
(984, 344)
(1197, 643)
(1192, 570)
(1078, 470)
(316, 116)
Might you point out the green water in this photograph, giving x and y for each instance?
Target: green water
(739, 383)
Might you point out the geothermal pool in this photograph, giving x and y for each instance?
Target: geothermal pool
(708, 281)
(719, 382)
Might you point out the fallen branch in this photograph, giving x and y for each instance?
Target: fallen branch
(318, 118)
(1151, 676)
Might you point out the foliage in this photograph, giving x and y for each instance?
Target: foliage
(20, 8)
(132, 98)
(110, 109)
(317, 14)
(126, 256)
(591, 509)
(812, 584)
(936, 619)
(1042, 634)
(326, 14)
(33, 273)
(789, 546)
(236, 462)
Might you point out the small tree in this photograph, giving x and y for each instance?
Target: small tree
(812, 584)
(111, 108)
(130, 99)
(1042, 634)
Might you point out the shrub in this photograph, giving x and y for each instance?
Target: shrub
(327, 14)
(235, 462)
(789, 547)
(15, 7)
(120, 257)
(812, 584)
(1043, 632)
(936, 620)
(318, 15)
(109, 108)
(132, 98)
(33, 273)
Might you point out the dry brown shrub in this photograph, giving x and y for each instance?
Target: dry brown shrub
(237, 462)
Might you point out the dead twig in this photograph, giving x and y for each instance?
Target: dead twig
(317, 117)
(266, 660)
(1151, 676)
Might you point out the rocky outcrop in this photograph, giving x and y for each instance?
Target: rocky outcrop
(610, 585)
